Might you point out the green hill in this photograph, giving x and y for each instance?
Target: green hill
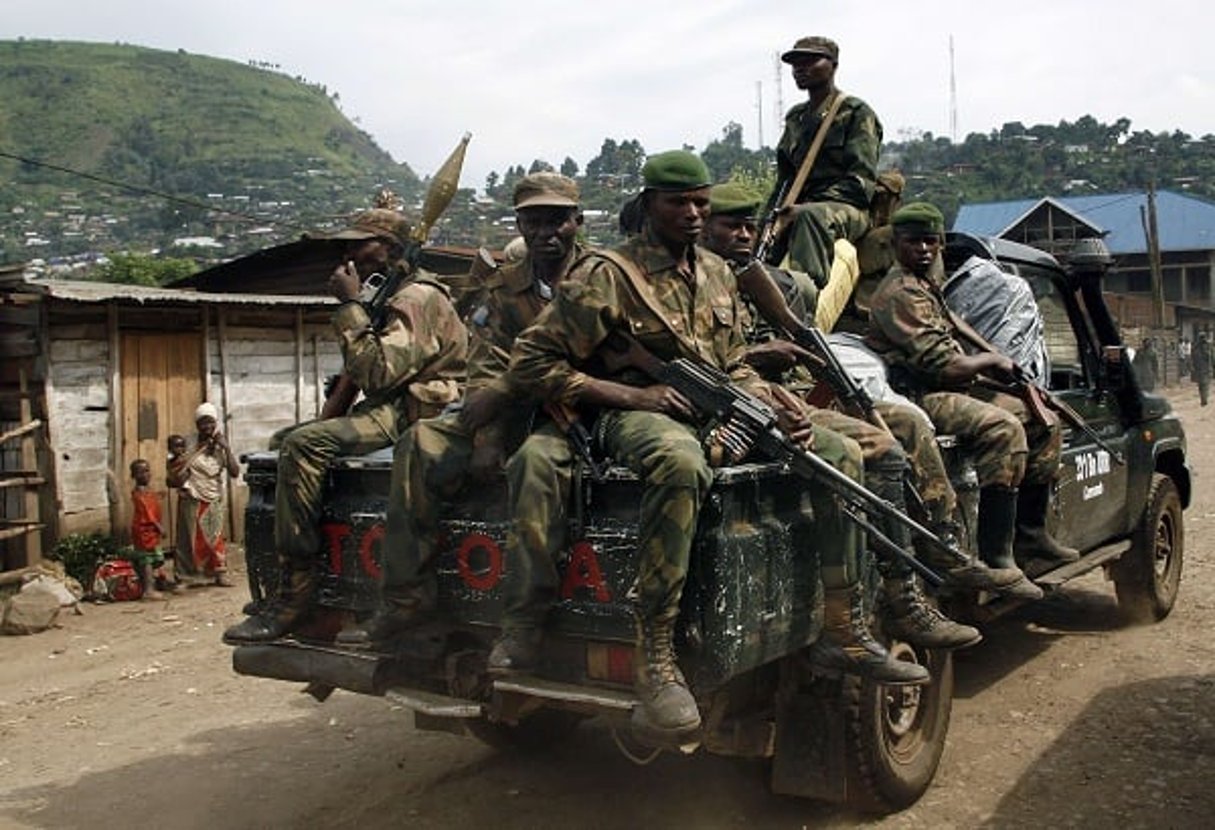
(178, 123)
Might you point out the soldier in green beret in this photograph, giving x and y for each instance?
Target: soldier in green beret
(915, 333)
(680, 300)
(888, 453)
(834, 201)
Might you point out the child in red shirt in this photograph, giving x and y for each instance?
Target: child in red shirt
(146, 528)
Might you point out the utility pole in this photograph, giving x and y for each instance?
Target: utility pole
(1148, 217)
(759, 113)
(780, 98)
(953, 97)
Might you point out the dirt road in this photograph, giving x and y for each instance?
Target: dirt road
(130, 716)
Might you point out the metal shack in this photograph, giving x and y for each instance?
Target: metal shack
(95, 375)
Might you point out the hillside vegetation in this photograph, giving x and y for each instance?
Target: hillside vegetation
(177, 123)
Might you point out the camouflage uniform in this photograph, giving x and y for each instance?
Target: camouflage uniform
(701, 321)
(431, 462)
(411, 369)
(910, 329)
(834, 203)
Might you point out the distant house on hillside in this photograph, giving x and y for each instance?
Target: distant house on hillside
(1187, 244)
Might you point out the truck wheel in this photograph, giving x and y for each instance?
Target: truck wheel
(1148, 575)
(896, 735)
(535, 732)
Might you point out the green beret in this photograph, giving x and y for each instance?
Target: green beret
(734, 199)
(918, 214)
(675, 170)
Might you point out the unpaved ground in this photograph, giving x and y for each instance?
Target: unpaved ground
(130, 716)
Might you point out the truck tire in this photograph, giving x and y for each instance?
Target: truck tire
(895, 735)
(1147, 577)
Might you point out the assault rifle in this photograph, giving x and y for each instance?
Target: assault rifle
(824, 365)
(745, 422)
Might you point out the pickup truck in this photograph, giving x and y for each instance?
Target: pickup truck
(753, 601)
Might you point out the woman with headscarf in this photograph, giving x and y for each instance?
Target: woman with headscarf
(199, 477)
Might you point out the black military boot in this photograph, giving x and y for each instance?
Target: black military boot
(517, 650)
(997, 523)
(280, 614)
(847, 646)
(1034, 541)
(667, 711)
(401, 613)
(972, 574)
(912, 618)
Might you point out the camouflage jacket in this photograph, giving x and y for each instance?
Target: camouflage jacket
(419, 356)
(909, 327)
(512, 299)
(700, 321)
(846, 167)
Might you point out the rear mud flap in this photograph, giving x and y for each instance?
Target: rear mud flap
(811, 748)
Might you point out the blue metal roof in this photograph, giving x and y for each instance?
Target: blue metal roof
(1186, 223)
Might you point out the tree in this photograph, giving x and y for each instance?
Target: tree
(539, 166)
(144, 269)
(569, 167)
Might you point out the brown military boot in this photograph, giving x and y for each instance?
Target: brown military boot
(281, 614)
(1034, 541)
(912, 618)
(997, 524)
(847, 646)
(401, 613)
(668, 711)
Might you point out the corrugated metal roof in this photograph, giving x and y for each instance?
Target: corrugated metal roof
(84, 291)
(1186, 223)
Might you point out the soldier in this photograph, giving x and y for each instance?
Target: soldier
(409, 370)
(913, 330)
(436, 457)
(834, 201)
(730, 233)
(1201, 367)
(679, 300)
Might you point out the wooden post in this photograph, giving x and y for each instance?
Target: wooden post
(117, 504)
(1148, 217)
(299, 365)
(227, 415)
(317, 383)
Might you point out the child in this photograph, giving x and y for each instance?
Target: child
(146, 529)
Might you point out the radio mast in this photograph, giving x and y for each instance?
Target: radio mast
(759, 113)
(953, 97)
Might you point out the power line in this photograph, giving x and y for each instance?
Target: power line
(147, 191)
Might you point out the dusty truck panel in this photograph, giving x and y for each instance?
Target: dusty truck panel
(753, 585)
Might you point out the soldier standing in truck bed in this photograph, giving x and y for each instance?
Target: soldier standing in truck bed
(679, 300)
(410, 369)
(834, 201)
(914, 332)
(437, 457)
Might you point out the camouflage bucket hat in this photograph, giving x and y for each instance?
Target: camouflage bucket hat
(813, 45)
(377, 223)
(545, 190)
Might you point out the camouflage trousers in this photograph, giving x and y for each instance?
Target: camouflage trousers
(1007, 444)
(919, 441)
(430, 466)
(815, 228)
(667, 456)
(304, 456)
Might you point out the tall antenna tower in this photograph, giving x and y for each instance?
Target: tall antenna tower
(953, 97)
(759, 113)
(780, 97)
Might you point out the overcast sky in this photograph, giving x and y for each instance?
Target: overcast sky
(547, 79)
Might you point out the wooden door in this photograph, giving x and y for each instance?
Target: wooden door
(162, 385)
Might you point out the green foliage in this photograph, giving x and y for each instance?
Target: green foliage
(144, 269)
(81, 553)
